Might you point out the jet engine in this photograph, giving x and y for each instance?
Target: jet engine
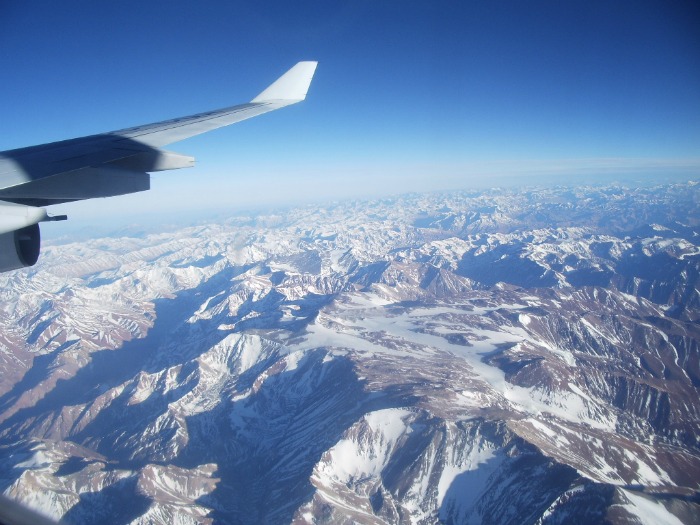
(20, 248)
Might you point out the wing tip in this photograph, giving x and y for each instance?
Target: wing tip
(292, 86)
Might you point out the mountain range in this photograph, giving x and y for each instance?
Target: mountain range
(510, 356)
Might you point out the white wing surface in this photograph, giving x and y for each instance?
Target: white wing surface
(289, 89)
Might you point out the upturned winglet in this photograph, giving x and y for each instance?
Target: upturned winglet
(290, 87)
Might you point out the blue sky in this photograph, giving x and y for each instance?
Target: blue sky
(407, 96)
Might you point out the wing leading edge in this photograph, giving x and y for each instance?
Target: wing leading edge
(290, 88)
(118, 162)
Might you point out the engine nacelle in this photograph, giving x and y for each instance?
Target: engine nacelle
(20, 248)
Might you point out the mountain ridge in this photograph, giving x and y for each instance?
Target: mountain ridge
(372, 361)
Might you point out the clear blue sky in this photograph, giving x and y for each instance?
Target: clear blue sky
(407, 96)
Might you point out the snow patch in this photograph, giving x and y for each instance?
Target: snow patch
(648, 512)
(366, 454)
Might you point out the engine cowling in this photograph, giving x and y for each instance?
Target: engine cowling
(20, 248)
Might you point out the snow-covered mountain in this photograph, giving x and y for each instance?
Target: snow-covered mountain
(494, 357)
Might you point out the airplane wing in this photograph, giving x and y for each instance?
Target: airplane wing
(109, 164)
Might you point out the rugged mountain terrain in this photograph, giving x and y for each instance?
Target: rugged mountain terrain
(493, 357)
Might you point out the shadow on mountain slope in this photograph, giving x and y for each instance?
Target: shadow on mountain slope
(119, 503)
(41, 368)
(267, 444)
(110, 368)
(501, 490)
